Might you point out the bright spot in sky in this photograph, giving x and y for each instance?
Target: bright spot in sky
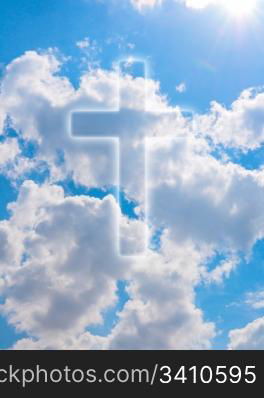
(239, 8)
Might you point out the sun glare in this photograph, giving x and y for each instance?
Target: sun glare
(239, 8)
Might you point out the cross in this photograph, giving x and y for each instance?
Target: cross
(122, 125)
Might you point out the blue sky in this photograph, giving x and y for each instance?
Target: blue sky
(215, 55)
(205, 49)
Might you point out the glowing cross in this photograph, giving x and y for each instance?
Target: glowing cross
(122, 125)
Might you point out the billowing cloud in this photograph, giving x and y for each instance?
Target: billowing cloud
(251, 337)
(163, 300)
(40, 102)
(70, 262)
(198, 198)
(69, 274)
(241, 126)
(58, 257)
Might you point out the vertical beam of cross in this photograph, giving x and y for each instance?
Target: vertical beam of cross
(121, 124)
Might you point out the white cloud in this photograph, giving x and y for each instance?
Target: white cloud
(143, 4)
(66, 243)
(199, 199)
(70, 261)
(9, 149)
(85, 43)
(181, 88)
(241, 126)
(69, 273)
(40, 101)
(251, 337)
(222, 271)
(163, 302)
(2, 119)
(90, 51)
(255, 299)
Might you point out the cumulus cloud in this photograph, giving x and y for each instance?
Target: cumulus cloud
(70, 261)
(40, 102)
(69, 273)
(163, 300)
(241, 126)
(60, 264)
(198, 198)
(251, 337)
